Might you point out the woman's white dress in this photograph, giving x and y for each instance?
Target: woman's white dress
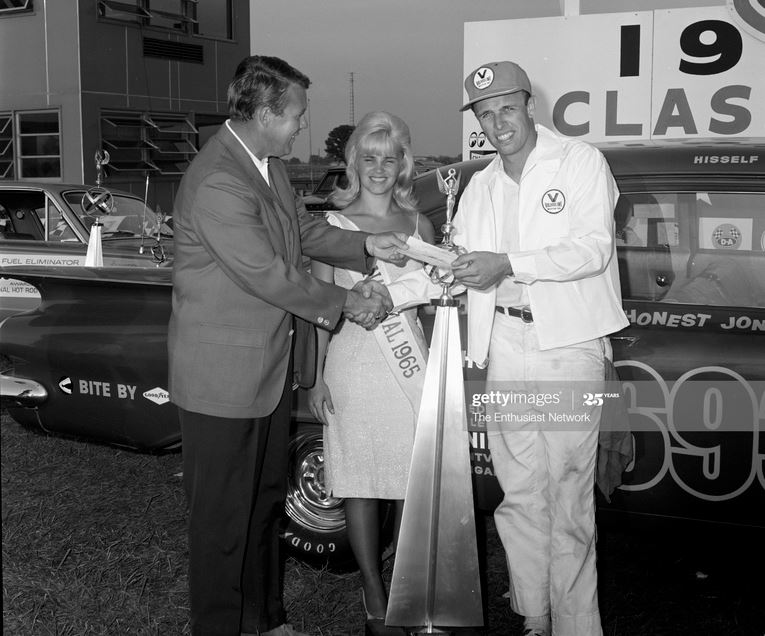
(368, 441)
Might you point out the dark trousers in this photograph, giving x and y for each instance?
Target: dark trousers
(235, 477)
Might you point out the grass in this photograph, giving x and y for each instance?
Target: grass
(93, 538)
(94, 542)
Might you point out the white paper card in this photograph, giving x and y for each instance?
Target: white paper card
(427, 253)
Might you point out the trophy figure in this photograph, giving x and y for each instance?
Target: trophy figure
(450, 187)
(96, 202)
(157, 249)
(436, 582)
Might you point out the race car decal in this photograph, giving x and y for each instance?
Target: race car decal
(712, 321)
(702, 435)
(158, 395)
(725, 159)
(106, 389)
(694, 458)
(12, 288)
(41, 259)
(718, 233)
(112, 390)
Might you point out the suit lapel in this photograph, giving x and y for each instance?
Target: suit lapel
(281, 185)
(278, 196)
(243, 158)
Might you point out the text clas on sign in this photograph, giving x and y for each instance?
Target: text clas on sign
(651, 75)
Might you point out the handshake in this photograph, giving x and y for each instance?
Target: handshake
(367, 303)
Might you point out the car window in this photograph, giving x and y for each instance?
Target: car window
(705, 248)
(59, 229)
(128, 217)
(20, 220)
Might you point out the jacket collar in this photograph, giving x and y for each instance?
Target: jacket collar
(242, 157)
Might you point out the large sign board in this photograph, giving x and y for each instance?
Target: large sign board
(644, 77)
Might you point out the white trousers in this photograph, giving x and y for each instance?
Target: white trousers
(546, 520)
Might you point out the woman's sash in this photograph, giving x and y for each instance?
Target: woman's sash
(399, 337)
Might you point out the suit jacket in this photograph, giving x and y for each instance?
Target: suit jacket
(238, 280)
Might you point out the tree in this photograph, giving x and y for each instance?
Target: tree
(336, 140)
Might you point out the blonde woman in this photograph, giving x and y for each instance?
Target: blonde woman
(368, 383)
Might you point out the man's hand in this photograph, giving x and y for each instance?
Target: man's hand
(481, 270)
(367, 303)
(388, 246)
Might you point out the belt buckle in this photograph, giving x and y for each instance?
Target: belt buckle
(526, 315)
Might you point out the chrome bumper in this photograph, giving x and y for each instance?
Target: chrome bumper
(20, 392)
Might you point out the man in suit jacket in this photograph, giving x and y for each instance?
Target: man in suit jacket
(239, 286)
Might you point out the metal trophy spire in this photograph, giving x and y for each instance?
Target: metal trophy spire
(436, 581)
(96, 202)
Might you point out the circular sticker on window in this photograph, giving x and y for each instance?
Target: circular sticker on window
(553, 201)
(726, 237)
(483, 78)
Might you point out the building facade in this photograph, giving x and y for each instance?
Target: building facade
(143, 80)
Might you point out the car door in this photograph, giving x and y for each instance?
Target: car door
(45, 225)
(692, 361)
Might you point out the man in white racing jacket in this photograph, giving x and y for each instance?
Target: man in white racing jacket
(543, 294)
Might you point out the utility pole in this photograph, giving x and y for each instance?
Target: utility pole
(351, 113)
(310, 146)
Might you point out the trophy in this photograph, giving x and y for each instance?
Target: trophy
(96, 202)
(436, 583)
(157, 249)
(450, 187)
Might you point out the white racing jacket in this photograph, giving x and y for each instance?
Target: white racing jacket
(567, 252)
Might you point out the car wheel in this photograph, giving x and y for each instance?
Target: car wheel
(315, 526)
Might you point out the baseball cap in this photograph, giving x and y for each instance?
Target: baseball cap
(495, 79)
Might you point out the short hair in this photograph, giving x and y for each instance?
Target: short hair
(260, 80)
(377, 132)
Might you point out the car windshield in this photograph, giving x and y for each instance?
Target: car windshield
(328, 182)
(127, 219)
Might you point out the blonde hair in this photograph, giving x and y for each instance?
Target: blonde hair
(377, 132)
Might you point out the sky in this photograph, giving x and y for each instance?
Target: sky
(406, 57)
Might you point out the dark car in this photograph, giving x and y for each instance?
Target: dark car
(317, 202)
(690, 231)
(45, 223)
(690, 225)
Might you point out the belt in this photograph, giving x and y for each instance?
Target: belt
(524, 313)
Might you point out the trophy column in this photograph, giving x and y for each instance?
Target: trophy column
(96, 202)
(436, 579)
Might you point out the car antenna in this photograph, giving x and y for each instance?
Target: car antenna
(143, 223)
